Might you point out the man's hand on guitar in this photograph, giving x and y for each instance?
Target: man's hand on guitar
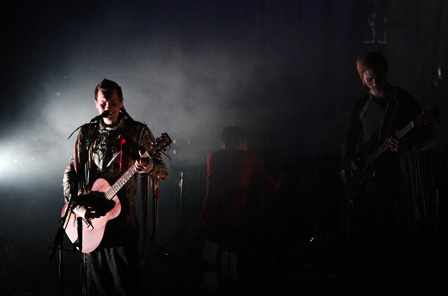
(93, 205)
(143, 164)
(357, 162)
(146, 165)
(393, 144)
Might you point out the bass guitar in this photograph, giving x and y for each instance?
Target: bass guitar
(353, 180)
(93, 230)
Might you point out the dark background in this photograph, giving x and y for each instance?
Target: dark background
(284, 70)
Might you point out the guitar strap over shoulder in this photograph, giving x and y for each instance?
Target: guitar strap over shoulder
(366, 107)
(391, 110)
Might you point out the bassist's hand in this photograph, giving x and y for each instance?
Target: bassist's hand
(353, 165)
(357, 163)
(394, 144)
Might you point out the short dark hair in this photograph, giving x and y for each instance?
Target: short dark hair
(108, 87)
(232, 136)
(371, 60)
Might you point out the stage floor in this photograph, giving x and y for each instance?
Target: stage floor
(177, 268)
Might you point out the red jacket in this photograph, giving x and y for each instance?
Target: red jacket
(235, 180)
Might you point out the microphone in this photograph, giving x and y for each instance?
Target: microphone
(106, 113)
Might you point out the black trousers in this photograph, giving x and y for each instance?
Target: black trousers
(379, 219)
(114, 270)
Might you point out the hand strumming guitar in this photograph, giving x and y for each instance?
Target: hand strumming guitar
(357, 162)
(92, 205)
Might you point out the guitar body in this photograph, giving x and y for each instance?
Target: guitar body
(354, 180)
(92, 238)
(357, 177)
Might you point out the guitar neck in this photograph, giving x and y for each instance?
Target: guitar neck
(160, 144)
(383, 147)
(113, 190)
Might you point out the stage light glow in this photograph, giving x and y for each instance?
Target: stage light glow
(17, 163)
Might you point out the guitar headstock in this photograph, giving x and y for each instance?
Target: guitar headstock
(428, 116)
(161, 143)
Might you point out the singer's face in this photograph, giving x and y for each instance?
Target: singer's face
(113, 105)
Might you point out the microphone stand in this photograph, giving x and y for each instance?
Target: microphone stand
(58, 243)
(58, 246)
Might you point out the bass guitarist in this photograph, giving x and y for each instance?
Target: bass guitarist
(105, 149)
(380, 208)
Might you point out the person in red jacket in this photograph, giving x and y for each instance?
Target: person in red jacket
(236, 180)
(231, 214)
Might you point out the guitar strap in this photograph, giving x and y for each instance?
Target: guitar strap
(385, 130)
(366, 107)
